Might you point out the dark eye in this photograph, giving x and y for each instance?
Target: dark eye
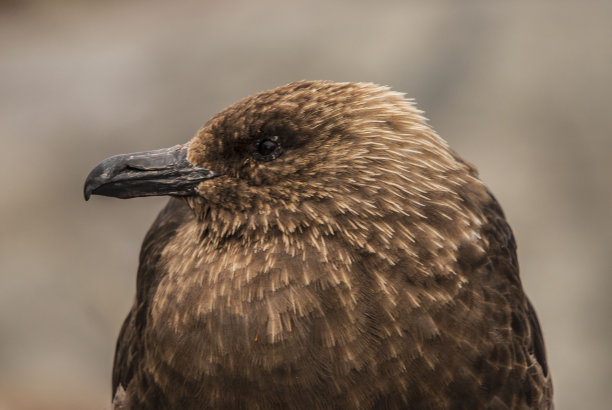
(268, 149)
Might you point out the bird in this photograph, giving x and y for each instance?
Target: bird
(322, 248)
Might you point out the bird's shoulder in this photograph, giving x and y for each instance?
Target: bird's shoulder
(517, 358)
(129, 348)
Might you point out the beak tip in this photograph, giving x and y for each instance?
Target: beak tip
(89, 188)
(86, 193)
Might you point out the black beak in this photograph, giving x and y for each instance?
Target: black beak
(152, 173)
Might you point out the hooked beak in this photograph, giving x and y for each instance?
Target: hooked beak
(151, 173)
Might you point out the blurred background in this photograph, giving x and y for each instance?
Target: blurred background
(521, 89)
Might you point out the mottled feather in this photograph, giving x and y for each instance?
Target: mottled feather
(365, 267)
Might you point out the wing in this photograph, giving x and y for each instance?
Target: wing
(490, 343)
(524, 363)
(130, 344)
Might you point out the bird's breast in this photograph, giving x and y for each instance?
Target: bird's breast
(240, 310)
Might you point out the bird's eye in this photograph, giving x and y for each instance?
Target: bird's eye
(268, 149)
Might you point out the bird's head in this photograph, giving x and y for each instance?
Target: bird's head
(303, 153)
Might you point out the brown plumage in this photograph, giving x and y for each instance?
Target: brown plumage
(324, 249)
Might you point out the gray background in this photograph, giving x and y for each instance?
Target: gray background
(522, 89)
